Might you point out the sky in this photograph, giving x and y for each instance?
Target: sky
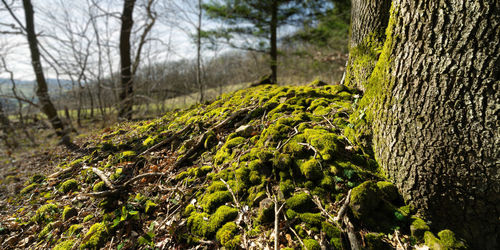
(169, 38)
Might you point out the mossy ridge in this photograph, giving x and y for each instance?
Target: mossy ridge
(296, 147)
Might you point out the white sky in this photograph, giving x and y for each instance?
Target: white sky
(54, 17)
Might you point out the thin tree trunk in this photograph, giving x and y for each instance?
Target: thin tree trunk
(8, 131)
(42, 91)
(432, 100)
(198, 52)
(127, 90)
(368, 23)
(274, 46)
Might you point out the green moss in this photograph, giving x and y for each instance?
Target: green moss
(69, 212)
(212, 201)
(418, 228)
(69, 186)
(74, 230)
(46, 231)
(29, 188)
(100, 186)
(301, 202)
(431, 241)
(45, 213)
(364, 199)
(96, 237)
(374, 241)
(150, 141)
(65, 245)
(201, 224)
(448, 240)
(227, 236)
(313, 219)
(311, 169)
(37, 178)
(311, 244)
(88, 217)
(389, 190)
(333, 234)
(189, 209)
(221, 216)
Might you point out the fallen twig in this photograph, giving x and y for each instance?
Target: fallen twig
(165, 141)
(343, 209)
(103, 178)
(232, 193)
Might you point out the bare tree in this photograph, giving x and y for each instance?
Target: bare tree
(127, 90)
(42, 90)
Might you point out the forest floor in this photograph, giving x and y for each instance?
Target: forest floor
(258, 167)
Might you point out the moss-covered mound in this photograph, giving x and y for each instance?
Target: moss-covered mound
(216, 174)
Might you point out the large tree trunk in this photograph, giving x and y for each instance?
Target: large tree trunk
(42, 91)
(127, 90)
(433, 104)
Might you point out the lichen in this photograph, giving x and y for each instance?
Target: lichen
(95, 237)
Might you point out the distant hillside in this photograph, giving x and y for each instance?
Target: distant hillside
(27, 87)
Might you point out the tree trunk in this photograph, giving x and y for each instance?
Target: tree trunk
(432, 101)
(127, 90)
(198, 51)
(42, 91)
(274, 46)
(8, 132)
(368, 22)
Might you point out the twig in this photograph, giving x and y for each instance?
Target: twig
(103, 178)
(64, 171)
(343, 209)
(296, 132)
(316, 152)
(232, 193)
(298, 237)
(130, 181)
(165, 141)
(351, 234)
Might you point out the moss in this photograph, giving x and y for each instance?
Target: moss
(69, 212)
(88, 217)
(46, 231)
(150, 141)
(313, 219)
(431, 241)
(448, 240)
(37, 178)
(95, 237)
(212, 201)
(418, 228)
(189, 209)
(65, 245)
(364, 199)
(323, 141)
(389, 190)
(333, 234)
(197, 223)
(311, 169)
(69, 186)
(100, 186)
(374, 241)
(311, 244)
(29, 188)
(301, 202)
(227, 236)
(74, 230)
(45, 213)
(118, 172)
(221, 216)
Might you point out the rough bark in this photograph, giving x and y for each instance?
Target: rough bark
(432, 100)
(127, 90)
(368, 22)
(42, 90)
(198, 51)
(274, 46)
